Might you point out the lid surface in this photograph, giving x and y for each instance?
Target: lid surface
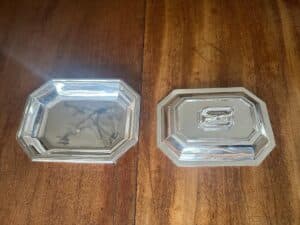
(80, 121)
(214, 127)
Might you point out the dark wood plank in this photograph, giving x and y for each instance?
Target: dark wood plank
(194, 44)
(40, 40)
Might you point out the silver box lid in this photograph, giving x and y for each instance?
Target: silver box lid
(87, 121)
(214, 127)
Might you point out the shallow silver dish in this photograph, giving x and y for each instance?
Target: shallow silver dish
(92, 121)
(214, 127)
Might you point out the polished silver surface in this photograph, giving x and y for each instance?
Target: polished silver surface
(92, 121)
(214, 127)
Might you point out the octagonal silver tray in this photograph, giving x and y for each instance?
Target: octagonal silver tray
(87, 121)
(214, 127)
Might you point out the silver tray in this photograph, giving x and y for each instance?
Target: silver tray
(92, 121)
(214, 127)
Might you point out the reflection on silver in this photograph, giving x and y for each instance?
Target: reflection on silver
(214, 127)
(80, 121)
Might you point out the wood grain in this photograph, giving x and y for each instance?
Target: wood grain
(41, 40)
(155, 46)
(194, 44)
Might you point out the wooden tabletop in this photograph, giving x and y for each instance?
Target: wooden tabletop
(155, 46)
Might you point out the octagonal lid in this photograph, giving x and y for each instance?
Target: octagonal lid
(214, 127)
(80, 121)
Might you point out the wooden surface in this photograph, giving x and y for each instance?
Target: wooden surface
(155, 46)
